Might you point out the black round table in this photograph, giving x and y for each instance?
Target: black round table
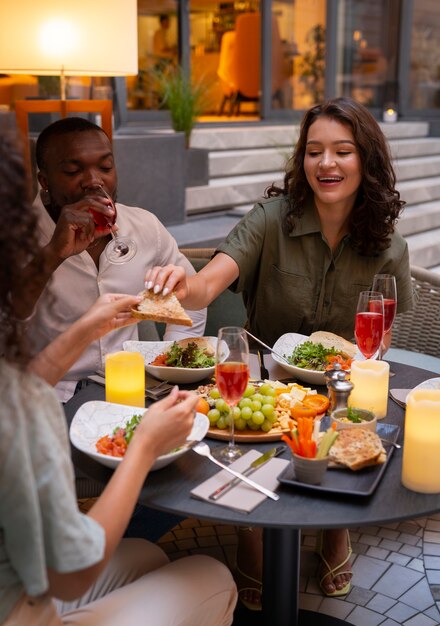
(169, 490)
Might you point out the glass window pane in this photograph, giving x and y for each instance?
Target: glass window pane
(425, 56)
(298, 51)
(367, 51)
(158, 51)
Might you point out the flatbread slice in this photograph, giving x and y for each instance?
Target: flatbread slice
(357, 448)
(160, 308)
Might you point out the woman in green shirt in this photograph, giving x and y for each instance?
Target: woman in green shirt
(302, 256)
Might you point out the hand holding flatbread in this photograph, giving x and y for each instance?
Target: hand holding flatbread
(160, 308)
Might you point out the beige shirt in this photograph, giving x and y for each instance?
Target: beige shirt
(77, 283)
(296, 283)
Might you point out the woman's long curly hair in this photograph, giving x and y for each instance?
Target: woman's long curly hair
(377, 204)
(18, 244)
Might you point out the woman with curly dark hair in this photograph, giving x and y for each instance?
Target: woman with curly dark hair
(48, 548)
(302, 256)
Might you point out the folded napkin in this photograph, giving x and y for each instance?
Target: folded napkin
(399, 396)
(242, 497)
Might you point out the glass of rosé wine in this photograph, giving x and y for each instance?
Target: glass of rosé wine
(120, 249)
(369, 323)
(386, 285)
(231, 376)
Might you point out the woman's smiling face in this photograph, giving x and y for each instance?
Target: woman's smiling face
(332, 164)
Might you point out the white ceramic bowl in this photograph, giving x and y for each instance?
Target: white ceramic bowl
(179, 375)
(285, 346)
(369, 420)
(95, 419)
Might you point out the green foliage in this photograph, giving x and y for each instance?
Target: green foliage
(48, 86)
(184, 98)
(313, 62)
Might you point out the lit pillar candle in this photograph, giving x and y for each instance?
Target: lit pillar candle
(125, 378)
(370, 379)
(421, 446)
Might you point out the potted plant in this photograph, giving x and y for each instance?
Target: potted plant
(313, 63)
(186, 100)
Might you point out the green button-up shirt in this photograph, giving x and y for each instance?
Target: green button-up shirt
(296, 283)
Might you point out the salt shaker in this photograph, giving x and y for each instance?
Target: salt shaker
(339, 387)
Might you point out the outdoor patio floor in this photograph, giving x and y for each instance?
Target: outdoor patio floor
(396, 571)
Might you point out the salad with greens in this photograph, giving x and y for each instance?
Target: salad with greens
(191, 356)
(312, 356)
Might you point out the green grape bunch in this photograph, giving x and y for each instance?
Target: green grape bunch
(255, 411)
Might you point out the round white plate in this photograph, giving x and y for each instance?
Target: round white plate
(95, 419)
(285, 346)
(431, 383)
(179, 375)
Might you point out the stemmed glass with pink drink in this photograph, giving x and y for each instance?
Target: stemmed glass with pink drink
(121, 248)
(386, 285)
(369, 323)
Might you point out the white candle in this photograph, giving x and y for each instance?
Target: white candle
(421, 457)
(370, 379)
(390, 115)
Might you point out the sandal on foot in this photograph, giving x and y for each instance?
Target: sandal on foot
(258, 586)
(332, 572)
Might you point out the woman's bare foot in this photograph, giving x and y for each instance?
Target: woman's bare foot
(335, 569)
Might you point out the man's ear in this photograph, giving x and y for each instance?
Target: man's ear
(42, 179)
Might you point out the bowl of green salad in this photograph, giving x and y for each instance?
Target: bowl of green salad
(308, 357)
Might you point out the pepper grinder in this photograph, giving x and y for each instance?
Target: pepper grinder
(339, 387)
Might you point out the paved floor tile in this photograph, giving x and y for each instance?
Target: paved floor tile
(367, 571)
(431, 548)
(359, 548)
(390, 622)
(400, 612)
(360, 596)
(432, 562)
(371, 530)
(433, 524)
(433, 576)
(364, 617)
(396, 581)
(417, 564)
(399, 559)
(370, 540)
(310, 602)
(389, 544)
(435, 590)
(420, 620)
(433, 613)
(380, 603)
(336, 608)
(410, 550)
(411, 528)
(412, 540)
(431, 536)
(419, 596)
(378, 553)
(386, 533)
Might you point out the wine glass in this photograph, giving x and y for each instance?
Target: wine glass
(121, 248)
(369, 324)
(231, 375)
(386, 285)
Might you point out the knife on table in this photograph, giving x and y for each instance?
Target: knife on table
(261, 460)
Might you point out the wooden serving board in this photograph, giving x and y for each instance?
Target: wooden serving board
(245, 436)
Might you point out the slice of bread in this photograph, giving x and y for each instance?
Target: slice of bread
(160, 308)
(330, 340)
(357, 448)
(201, 342)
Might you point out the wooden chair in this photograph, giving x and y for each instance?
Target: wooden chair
(418, 330)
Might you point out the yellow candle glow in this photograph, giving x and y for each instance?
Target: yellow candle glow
(421, 458)
(125, 378)
(370, 379)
